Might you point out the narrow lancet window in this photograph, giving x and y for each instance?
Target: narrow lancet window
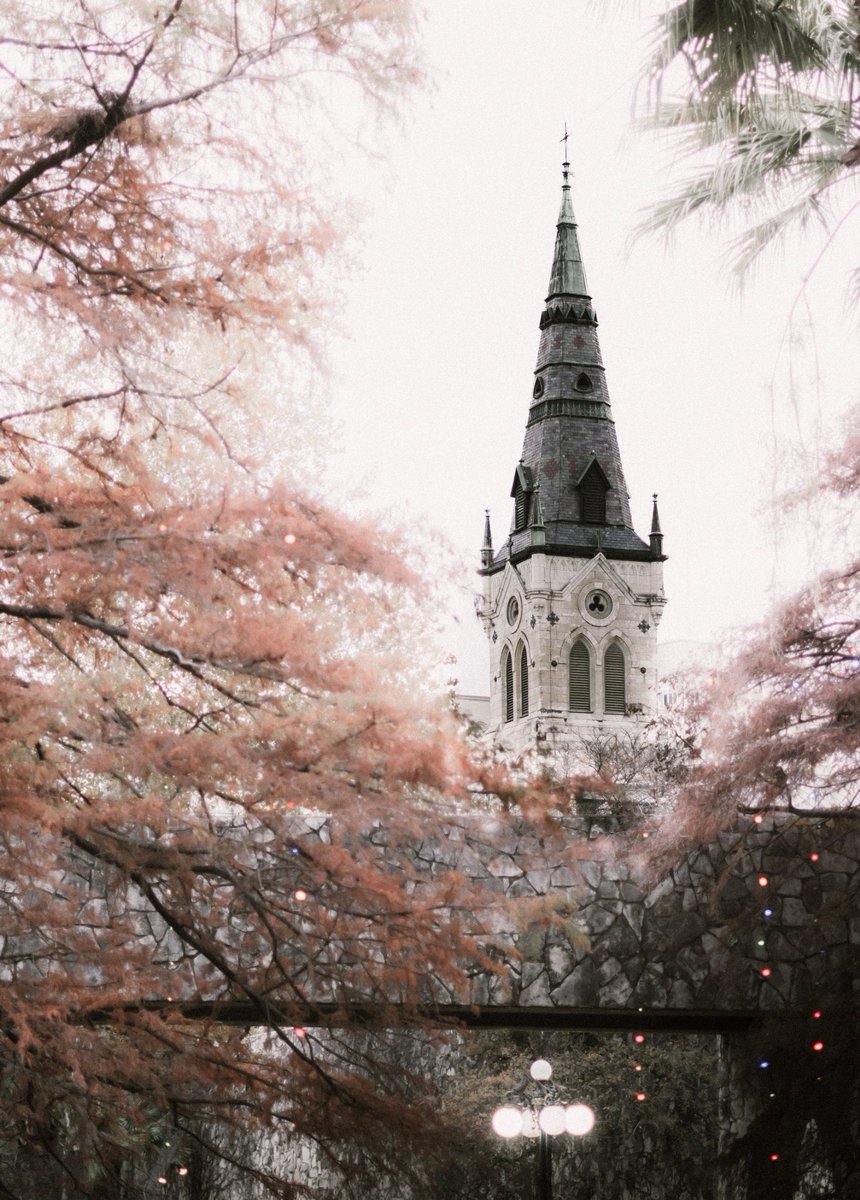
(508, 686)
(580, 678)
(614, 686)
(524, 683)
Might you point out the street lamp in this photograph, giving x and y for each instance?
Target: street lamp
(543, 1117)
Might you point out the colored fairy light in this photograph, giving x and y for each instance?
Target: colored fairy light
(764, 1063)
(758, 818)
(817, 1014)
(774, 1157)
(182, 1170)
(762, 880)
(768, 912)
(638, 1038)
(818, 1045)
(765, 972)
(289, 538)
(299, 1031)
(162, 1179)
(637, 1066)
(300, 894)
(813, 857)
(640, 1095)
(760, 942)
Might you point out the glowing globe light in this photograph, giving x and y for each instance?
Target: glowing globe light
(818, 1045)
(768, 912)
(762, 880)
(638, 1038)
(552, 1119)
(507, 1122)
(531, 1129)
(758, 818)
(579, 1119)
(540, 1070)
(765, 972)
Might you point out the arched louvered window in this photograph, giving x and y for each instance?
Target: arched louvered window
(592, 496)
(614, 689)
(508, 686)
(521, 508)
(524, 682)
(580, 678)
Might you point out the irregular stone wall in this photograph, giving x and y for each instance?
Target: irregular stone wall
(765, 918)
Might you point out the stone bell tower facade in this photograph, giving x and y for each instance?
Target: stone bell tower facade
(572, 600)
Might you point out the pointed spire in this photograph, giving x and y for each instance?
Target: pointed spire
(570, 446)
(487, 548)
(656, 531)
(568, 273)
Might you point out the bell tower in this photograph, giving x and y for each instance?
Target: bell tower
(572, 599)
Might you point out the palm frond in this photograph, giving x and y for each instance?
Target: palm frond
(768, 100)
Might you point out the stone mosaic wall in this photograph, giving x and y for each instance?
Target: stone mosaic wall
(765, 918)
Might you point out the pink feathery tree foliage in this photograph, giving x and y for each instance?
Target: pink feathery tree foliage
(205, 711)
(779, 727)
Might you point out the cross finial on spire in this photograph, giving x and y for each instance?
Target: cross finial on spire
(565, 166)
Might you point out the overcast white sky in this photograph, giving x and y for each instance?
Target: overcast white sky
(711, 391)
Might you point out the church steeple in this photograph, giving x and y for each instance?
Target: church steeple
(570, 449)
(573, 597)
